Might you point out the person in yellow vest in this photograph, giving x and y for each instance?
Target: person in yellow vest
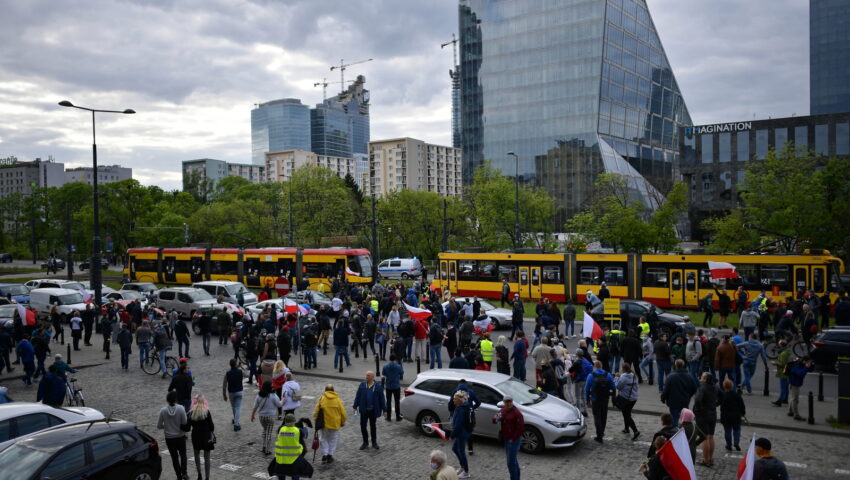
(644, 326)
(487, 349)
(288, 450)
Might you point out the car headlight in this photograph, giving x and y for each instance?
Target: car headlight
(558, 424)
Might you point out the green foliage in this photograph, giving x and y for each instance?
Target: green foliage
(730, 235)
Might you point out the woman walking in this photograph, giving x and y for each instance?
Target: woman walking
(503, 364)
(329, 416)
(732, 410)
(705, 410)
(266, 404)
(203, 436)
(627, 396)
(692, 431)
(460, 431)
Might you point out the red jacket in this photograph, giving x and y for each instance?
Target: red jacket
(421, 328)
(513, 425)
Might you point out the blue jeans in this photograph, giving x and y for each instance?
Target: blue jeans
(206, 338)
(749, 371)
(341, 352)
(617, 359)
(236, 406)
(293, 338)
(730, 372)
(664, 367)
(125, 358)
(436, 356)
(519, 369)
(39, 370)
(162, 354)
(748, 331)
(309, 357)
(460, 452)
(511, 451)
(144, 351)
(252, 368)
(408, 347)
(730, 431)
(783, 390)
(646, 367)
(675, 412)
(180, 343)
(569, 326)
(693, 367)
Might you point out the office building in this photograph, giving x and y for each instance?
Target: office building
(829, 56)
(715, 157)
(409, 163)
(210, 171)
(281, 165)
(279, 125)
(575, 88)
(21, 177)
(248, 171)
(340, 125)
(105, 174)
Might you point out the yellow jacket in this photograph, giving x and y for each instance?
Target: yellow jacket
(334, 410)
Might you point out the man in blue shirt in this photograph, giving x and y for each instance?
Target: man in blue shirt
(392, 374)
(597, 391)
(752, 350)
(370, 404)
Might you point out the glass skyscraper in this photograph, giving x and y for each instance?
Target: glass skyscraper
(829, 56)
(340, 125)
(279, 125)
(575, 88)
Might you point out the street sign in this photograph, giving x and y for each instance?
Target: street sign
(281, 286)
(612, 306)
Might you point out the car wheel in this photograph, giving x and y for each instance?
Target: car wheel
(404, 276)
(531, 441)
(425, 418)
(143, 474)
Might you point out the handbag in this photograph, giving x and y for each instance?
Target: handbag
(619, 401)
(320, 420)
(211, 441)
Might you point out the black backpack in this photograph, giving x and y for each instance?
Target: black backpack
(614, 343)
(601, 387)
(436, 334)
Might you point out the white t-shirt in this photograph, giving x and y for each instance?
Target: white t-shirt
(76, 323)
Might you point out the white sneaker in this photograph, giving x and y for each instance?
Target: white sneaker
(463, 474)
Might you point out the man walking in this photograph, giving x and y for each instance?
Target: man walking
(678, 390)
(143, 341)
(752, 350)
(512, 426)
(181, 331)
(369, 403)
(663, 359)
(172, 418)
(125, 343)
(232, 385)
(88, 323)
(598, 390)
(519, 355)
(393, 373)
(435, 344)
(506, 291)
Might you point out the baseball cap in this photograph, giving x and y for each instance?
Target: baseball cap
(507, 398)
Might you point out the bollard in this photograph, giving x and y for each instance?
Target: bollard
(377, 365)
(766, 382)
(418, 366)
(820, 386)
(341, 360)
(69, 355)
(811, 408)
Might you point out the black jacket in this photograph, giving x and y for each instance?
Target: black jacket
(201, 432)
(706, 401)
(678, 389)
(732, 408)
(182, 384)
(630, 348)
(666, 432)
(181, 330)
(662, 351)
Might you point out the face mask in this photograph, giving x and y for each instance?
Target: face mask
(434, 466)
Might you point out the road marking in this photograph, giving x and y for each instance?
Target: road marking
(263, 475)
(842, 471)
(308, 397)
(732, 455)
(229, 467)
(796, 465)
(645, 444)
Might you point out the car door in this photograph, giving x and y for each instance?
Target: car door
(483, 414)
(68, 462)
(109, 459)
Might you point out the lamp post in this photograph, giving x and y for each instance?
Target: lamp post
(516, 199)
(95, 259)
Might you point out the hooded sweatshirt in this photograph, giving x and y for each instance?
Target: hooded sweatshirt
(170, 420)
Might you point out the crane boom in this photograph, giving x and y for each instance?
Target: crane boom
(453, 43)
(342, 66)
(324, 83)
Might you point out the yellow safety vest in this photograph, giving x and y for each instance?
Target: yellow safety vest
(288, 447)
(374, 305)
(486, 347)
(644, 328)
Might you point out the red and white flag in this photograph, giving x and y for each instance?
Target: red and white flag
(482, 325)
(234, 308)
(722, 270)
(748, 464)
(416, 313)
(436, 428)
(349, 272)
(85, 293)
(591, 329)
(289, 306)
(22, 313)
(675, 455)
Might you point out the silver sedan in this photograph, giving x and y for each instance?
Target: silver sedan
(500, 317)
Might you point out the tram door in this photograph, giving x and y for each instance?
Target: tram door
(197, 265)
(170, 270)
(529, 283)
(677, 288)
(452, 283)
(691, 290)
(801, 278)
(536, 283)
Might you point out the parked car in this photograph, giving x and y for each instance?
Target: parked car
(499, 317)
(183, 299)
(103, 288)
(258, 308)
(54, 283)
(58, 263)
(549, 421)
(66, 301)
(5, 257)
(228, 291)
(18, 419)
(7, 315)
(402, 268)
(630, 312)
(127, 295)
(830, 345)
(19, 292)
(86, 264)
(144, 287)
(93, 450)
(317, 298)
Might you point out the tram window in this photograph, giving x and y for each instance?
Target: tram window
(535, 276)
(615, 276)
(221, 267)
(508, 272)
(488, 272)
(834, 279)
(467, 269)
(817, 279)
(655, 277)
(443, 275)
(774, 275)
(269, 269)
(748, 275)
(552, 274)
(320, 269)
(690, 281)
(705, 280)
(144, 265)
(588, 275)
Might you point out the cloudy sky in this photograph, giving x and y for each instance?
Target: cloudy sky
(194, 68)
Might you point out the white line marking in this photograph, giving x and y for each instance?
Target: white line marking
(796, 465)
(308, 397)
(842, 471)
(645, 444)
(732, 455)
(229, 467)
(263, 475)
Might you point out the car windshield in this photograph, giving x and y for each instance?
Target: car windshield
(70, 299)
(7, 311)
(486, 306)
(236, 288)
(20, 458)
(14, 290)
(73, 285)
(319, 296)
(131, 295)
(199, 295)
(522, 393)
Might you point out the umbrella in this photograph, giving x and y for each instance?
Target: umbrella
(315, 445)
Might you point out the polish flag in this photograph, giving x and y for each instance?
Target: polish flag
(303, 309)
(234, 309)
(748, 463)
(722, 270)
(417, 313)
(289, 306)
(85, 293)
(350, 273)
(675, 455)
(436, 428)
(591, 329)
(22, 313)
(483, 325)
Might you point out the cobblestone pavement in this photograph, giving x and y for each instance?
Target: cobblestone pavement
(137, 397)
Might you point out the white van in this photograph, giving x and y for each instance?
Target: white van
(228, 290)
(402, 268)
(66, 300)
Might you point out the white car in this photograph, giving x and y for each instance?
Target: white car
(54, 283)
(7, 315)
(257, 308)
(23, 418)
(499, 317)
(103, 288)
(126, 295)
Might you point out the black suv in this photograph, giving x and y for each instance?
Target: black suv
(95, 451)
(830, 345)
(630, 312)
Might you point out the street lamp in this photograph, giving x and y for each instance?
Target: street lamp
(516, 199)
(95, 259)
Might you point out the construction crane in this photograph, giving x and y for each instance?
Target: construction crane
(454, 73)
(324, 83)
(342, 66)
(453, 43)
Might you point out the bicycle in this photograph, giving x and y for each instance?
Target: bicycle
(75, 394)
(794, 341)
(151, 364)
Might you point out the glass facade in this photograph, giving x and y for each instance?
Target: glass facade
(829, 56)
(279, 125)
(340, 125)
(575, 88)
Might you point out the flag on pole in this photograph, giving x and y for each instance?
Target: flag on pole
(675, 455)
(591, 329)
(722, 270)
(85, 293)
(436, 428)
(289, 306)
(417, 313)
(748, 464)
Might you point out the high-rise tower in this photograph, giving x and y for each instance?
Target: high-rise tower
(829, 56)
(279, 125)
(340, 124)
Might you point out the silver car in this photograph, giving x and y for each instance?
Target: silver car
(18, 419)
(499, 317)
(549, 421)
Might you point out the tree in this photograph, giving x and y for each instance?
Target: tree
(197, 185)
(321, 205)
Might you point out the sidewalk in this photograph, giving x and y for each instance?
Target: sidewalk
(86, 357)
